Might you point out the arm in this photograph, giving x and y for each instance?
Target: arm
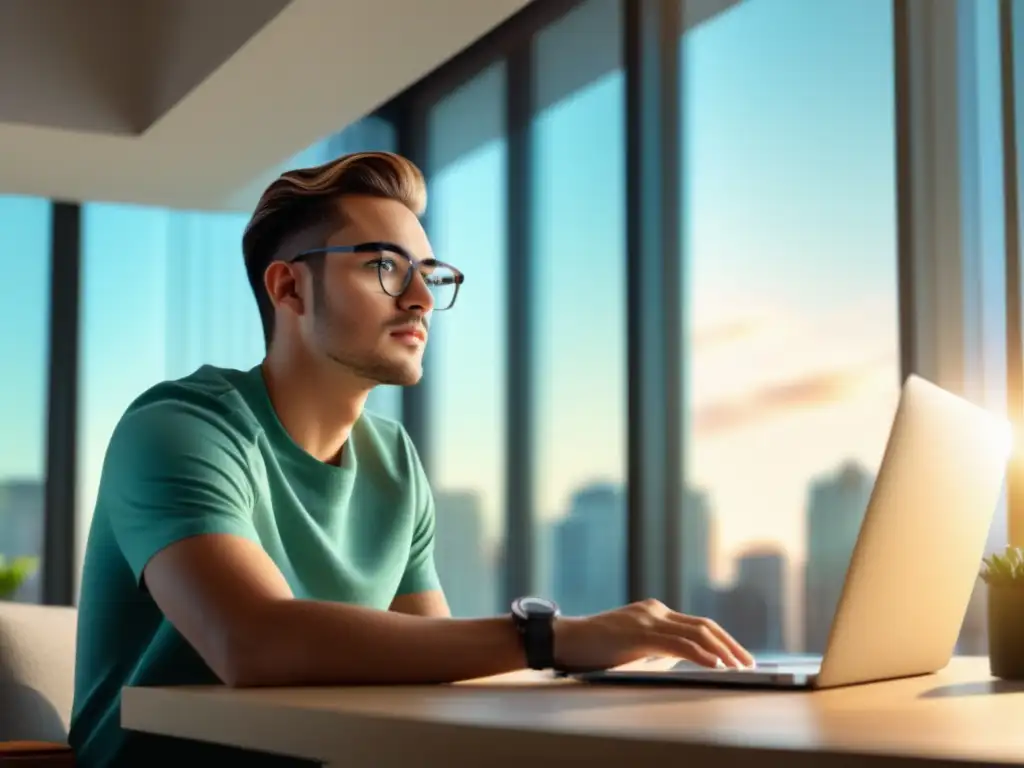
(177, 488)
(230, 602)
(432, 603)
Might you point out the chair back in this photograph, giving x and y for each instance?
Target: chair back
(37, 672)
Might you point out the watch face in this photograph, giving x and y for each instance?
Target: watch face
(534, 607)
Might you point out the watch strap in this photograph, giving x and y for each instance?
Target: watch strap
(539, 641)
(534, 619)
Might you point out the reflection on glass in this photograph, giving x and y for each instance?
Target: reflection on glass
(579, 300)
(791, 303)
(466, 357)
(24, 348)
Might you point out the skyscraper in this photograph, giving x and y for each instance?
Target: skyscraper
(590, 566)
(461, 554)
(696, 529)
(761, 580)
(835, 511)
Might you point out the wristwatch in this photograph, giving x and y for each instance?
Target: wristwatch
(534, 618)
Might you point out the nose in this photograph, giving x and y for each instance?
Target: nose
(417, 296)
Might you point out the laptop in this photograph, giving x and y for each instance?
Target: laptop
(914, 565)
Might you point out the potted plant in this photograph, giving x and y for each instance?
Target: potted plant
(1004, 575)
(14, 573)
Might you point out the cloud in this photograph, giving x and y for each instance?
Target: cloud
(704, 339)
(818, 389)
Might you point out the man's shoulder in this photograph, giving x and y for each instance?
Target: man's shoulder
(207, 401)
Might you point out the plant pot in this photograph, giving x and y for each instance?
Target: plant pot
(1006, 631)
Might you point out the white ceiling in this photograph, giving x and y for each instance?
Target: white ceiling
(185, 102)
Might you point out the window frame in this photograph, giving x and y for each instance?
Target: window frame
(940, 212)
(59, 573)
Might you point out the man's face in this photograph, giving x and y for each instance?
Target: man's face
(354, 322)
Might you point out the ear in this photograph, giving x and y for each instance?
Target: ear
(286, 286)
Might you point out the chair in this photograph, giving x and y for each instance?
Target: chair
(37, 670)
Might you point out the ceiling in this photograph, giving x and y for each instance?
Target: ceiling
(183, 103)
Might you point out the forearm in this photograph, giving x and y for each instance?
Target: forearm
(303, 642)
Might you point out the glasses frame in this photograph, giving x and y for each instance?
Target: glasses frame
(382, 246)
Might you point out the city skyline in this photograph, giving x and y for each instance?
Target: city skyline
(772, 604)
(769, 294)
(586, 573)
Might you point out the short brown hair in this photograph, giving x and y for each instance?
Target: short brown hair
(306, 198)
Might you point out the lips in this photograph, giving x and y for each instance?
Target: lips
(410, 333)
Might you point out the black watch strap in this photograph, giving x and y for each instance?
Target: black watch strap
(539, 641)
(535, 620)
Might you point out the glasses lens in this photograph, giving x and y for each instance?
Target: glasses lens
(441, 281)
(392, 269)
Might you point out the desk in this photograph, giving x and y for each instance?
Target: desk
(959, 716)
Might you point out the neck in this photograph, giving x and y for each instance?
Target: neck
(317, 402)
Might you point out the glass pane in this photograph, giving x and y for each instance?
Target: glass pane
(985, 337)
(183, 301)
(466, 358)
(24, 347)
(791, 308)
(580, 303)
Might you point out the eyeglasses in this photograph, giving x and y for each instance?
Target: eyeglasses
(395, 268)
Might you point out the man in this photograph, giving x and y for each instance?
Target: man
(258, 528)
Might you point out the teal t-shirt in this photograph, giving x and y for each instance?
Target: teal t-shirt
(207, 454)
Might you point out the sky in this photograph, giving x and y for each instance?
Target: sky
(790, 218)
(789, 229)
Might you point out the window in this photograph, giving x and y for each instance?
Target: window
(25, 253)
(984, 248)
(580, 302)
(792, 363)
(465, 368)
(182, 301)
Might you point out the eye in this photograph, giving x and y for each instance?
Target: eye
(386, 264)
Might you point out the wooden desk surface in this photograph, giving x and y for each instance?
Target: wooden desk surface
(958, 716)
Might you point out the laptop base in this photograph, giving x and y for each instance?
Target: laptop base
(794, 673)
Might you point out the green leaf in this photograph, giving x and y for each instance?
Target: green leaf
(14, 573)
(1004, 569)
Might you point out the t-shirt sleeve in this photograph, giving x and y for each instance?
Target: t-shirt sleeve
(420, 572)
(173, 471)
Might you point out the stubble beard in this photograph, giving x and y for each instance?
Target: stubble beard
(372, 367)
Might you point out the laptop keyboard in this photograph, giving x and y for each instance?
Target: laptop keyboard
(771, 664)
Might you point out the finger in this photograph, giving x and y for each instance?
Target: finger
(737, 651)
(704, 636)
(700, 631)
(683, 648)
(741, 653)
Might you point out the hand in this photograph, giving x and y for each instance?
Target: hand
(643, 629)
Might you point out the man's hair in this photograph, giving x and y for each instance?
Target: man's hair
(307, 198)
